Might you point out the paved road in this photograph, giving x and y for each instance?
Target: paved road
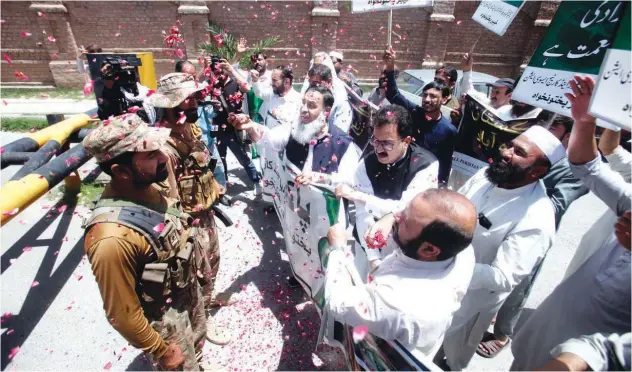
(58, 321)
(25, 106)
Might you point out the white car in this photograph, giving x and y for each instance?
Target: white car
(412, 82)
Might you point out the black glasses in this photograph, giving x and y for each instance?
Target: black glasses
(386, 145)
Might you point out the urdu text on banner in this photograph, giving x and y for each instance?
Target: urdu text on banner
(496, 15)
(575, 42)
(363, 6)
(612, 98)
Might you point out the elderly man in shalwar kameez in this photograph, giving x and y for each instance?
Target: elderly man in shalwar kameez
(516, 225)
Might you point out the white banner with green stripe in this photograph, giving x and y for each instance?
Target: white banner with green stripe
(306, 213)
(496, 15)
(612, 99)
(575, 42)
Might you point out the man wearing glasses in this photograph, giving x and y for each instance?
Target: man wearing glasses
(388, 178)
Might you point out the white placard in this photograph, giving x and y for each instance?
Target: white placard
(496, 16)
(612, 98)
(363, 6)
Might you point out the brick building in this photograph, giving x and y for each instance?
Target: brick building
(426, 37)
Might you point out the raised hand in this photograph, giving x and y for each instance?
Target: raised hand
(389, 58)
(582, 88)
(254, 75)
(242, 45)
(240, 121)
(467, 62)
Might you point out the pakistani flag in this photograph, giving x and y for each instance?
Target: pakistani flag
(496, 15)
(575, 42)
(612, 99)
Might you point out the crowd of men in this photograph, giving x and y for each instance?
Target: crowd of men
(437, 266)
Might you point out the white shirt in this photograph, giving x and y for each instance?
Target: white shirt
(523, 227)
(376, 208)
(620, 161)
(467, 87)
(522, 230)
(407, 300)
(278, 137)
(285, 108)
(265, 79)
(341, 115)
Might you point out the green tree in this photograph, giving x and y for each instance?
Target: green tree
(225, 44)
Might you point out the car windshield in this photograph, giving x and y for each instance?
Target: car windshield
(409, 83)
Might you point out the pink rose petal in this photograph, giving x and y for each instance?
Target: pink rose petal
(13, 212)
(14, 352)
(27, 249)
(5, 317)
(52, 39)
(107, 366)
(7, 58)
(88, 87)
(158, 228)
(34, 284)
(359, 333)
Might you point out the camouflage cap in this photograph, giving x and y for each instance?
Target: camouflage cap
(173, 89)
(124, 133)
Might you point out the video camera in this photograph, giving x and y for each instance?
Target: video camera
(123, 70)
(111, 73)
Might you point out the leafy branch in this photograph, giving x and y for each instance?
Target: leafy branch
(224, 44)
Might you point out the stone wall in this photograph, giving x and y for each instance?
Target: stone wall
(425, 37)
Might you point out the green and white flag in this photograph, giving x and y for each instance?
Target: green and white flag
(575, 42)
(306, 213)
(612, 98)
(497, 15)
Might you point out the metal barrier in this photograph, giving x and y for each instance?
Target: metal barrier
(39, 174)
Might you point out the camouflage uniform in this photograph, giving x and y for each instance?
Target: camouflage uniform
(196, 186)
(166, 282)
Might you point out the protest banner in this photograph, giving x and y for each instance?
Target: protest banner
(305, 213)
(575, 42)
(612, 98)
(496, 15)
(363, 6)
(481, 134)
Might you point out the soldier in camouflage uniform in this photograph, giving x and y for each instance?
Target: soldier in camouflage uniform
(142, 247)
(191, 175)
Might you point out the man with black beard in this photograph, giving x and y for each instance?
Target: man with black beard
(281, 102)
(413, 294)
(516, 226)
(321, 152)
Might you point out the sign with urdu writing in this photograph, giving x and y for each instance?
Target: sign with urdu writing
(575, 42)
(305, 213)
(612, 98)
(497, 15)
(363, 6)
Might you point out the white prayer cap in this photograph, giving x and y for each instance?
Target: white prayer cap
(336, 56)
(547, 142)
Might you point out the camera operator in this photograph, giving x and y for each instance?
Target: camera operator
(121, 89)
(226, 91)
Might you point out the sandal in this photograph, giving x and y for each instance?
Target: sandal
(489, 346)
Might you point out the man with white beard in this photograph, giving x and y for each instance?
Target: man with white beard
(322, 152)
